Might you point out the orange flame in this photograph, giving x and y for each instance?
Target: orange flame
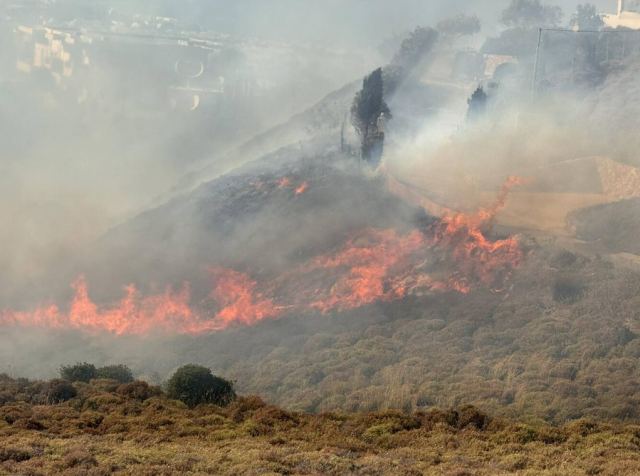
(286, 182)
(375, 265)
(367, 266)
(168, 312)
(302, 188)
(236, 292)
(477, 256)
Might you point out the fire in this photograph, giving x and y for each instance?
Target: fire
(241, 304)
(478, 257)
(134, 314)
(287, 183)
(367, 269)
(302, 188)
(372, 266)
(169, 312)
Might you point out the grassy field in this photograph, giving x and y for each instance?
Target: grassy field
(134, 429)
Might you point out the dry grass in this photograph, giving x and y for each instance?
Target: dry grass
(103, 431)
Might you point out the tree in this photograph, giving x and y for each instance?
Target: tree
(460, 25)
(80, 372)
(586, 17)
(531, 14)
(477, 104)
(194, 384)
(119, 373)
(369, 111)
(368, 106)
(414, 48)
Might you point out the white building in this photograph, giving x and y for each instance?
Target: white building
(628, 15)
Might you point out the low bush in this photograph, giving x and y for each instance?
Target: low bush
(194, 384)
(138, 390)
(567, 289)
(59, 391)
(14, 454)
(79, 458)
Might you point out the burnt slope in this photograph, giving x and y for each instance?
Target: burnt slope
(265, 217)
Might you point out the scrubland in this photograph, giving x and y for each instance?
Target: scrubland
(134, 429)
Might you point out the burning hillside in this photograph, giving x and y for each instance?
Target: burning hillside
(373, 265)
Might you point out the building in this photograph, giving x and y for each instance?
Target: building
(628, 15)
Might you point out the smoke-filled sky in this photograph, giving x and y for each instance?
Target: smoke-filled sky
(71, 173)
(342, 22)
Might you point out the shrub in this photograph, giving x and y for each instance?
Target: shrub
(567, 290)
(470, 416)
(79, 372)
(138, 390)
(194, 384)
(119, 373)
(14, 454)
(79, 458)
(59, 391)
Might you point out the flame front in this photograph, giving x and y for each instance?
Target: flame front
(241, 304)
(373, 266)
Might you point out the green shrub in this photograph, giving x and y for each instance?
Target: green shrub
(567, 289)
(59, 391)
(119, 373)
(79, 372)
(194, 384)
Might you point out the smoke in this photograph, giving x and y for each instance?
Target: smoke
(84, 153)
(77, 172)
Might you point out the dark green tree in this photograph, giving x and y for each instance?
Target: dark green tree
(120, 373)
(410, 57)
(194, 384)
(368, 106)
(477, 104)
(79, 372)
(531, 14)
(459, 25)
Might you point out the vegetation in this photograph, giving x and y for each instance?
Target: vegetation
(561, 343)
(79, 372)
(369, 110)
(368, 106)
(477, 104)
(460, 25)
(586, 17)
(194, 385)
(85, 372)
(119, 373)
(103, 431)
(59, 391)
(531, 14)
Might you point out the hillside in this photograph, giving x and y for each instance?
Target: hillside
(133, 429)
(360, 307)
